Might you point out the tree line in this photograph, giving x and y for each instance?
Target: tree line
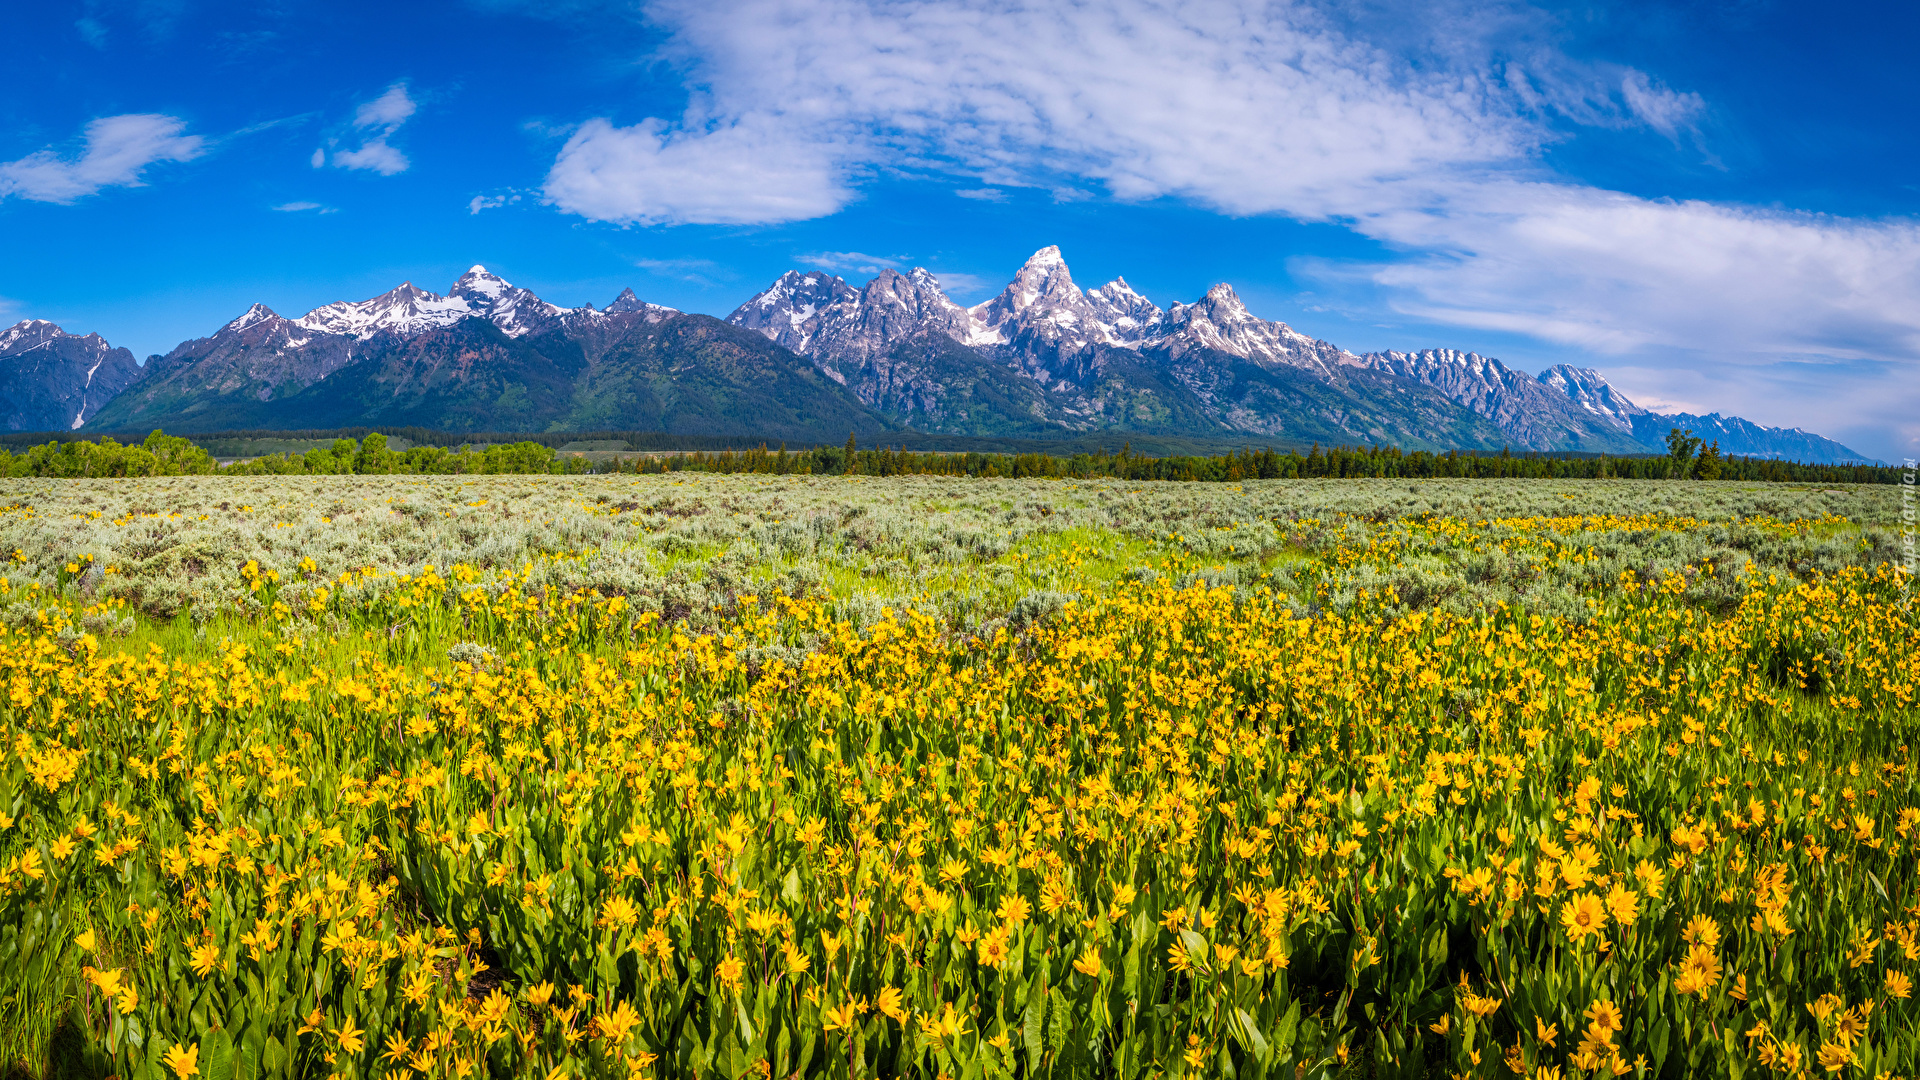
(166, 455)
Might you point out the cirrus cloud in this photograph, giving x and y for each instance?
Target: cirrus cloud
(1256, 107)
(118, 151)
(1235, 104)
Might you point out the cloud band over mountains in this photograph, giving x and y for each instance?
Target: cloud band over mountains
(1434, 149)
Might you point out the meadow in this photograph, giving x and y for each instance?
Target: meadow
(778, 775)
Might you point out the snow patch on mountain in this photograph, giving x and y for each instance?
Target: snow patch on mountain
(1590, 390)
(409, 311)
(33, 331)
(627, 302)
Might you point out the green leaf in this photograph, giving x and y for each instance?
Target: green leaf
(1283, 1032)
(1877, 887)
(216, 1055)
(1247, 1034)
(1195, 946)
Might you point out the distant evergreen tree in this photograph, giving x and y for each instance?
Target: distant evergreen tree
(1680, 450)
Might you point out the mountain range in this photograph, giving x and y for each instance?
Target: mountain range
(811, 358)
(52, 380)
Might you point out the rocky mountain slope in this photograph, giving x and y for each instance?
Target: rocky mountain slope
(51, 380)
(1110, 359)
(489, 356)
(1590, 390)
(812, 357)
(1045, 356)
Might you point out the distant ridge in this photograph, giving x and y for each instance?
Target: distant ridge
(814, 357)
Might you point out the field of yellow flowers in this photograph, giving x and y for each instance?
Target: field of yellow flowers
(774, 777)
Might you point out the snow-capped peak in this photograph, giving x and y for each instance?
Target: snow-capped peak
(254, 315)
(1043, 277)
(477, 281)
(1041, 321)
(409, 310)
(1041, 299)
(1128, 314)
(627, 302)
(1590, 390)
(37, 329)
(405, 311)
(1221, 322)
(788, 310)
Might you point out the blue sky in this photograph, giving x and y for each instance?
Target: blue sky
(1712, 203)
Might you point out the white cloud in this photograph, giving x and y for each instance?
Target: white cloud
(1613, 273)
(744, 171)
(301, 207)
(1421, 130)
(491, 202)
(1234, 104)
(386, 112)
(319, 158)
(374, 154)
(986, 194)
(852, 262)
(118, 150)
(379, 119)
(1847, 401)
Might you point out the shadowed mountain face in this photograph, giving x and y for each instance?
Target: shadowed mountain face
(1110, 359)
(489, 356)
(1046, 357)
(51, 380)
(1532, 413)
(812, 358)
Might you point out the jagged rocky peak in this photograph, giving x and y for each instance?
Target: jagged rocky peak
(409, 310)
(30, 334)
(1590, 390)
(56, 380)
(805, 293)
(253, 316)
(478, 281)
(1043, 282)
(788, 311)
(27, 333)
(1220, 305)
(1129, 314)
(918, 293)
(405, 311)
(1220, 321)
(1042, 314)
(627, 304)
(514, 310)
(1453, 370)
(1440, 356)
